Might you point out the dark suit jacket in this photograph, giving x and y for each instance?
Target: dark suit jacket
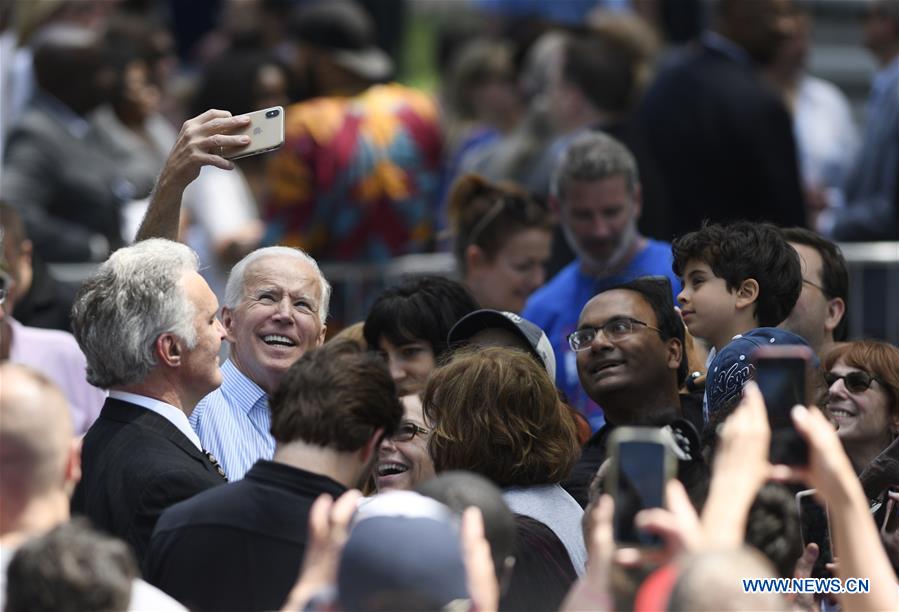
(67, 188)
(135, 464)
(722, 142)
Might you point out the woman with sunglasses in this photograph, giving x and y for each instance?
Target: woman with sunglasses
(501, 241)
(403, 460)
(862, 381)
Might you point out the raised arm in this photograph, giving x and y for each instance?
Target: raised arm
(200, 143)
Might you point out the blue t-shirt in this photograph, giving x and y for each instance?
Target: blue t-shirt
(557, 305)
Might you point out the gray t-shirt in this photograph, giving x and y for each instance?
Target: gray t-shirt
(555, 508)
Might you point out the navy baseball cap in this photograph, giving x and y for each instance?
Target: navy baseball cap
(479, 320)
(732, 367)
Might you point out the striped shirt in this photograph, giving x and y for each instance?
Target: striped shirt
(234, 423)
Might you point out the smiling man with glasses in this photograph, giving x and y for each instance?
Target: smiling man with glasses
(629, 345)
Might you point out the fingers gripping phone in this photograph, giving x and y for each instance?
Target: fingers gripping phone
(815, 527)
(642, 464)
(784, 376)
(266, 132)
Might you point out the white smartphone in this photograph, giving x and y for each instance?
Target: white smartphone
(266, 132)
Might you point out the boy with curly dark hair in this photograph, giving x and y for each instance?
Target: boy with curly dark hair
(735, 277)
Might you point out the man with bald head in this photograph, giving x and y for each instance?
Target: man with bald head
(39, 467)
(39, 455)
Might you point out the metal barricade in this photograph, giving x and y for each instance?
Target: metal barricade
(873, 274)
(873, 289)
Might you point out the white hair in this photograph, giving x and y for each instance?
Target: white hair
(136, 296)
(234, 290)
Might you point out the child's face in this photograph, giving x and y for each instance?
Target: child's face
(707, 305)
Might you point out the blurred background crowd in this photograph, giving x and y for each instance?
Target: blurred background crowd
(442, 91)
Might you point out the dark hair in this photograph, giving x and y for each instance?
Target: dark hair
(496, 412)
(424, 308)
(657, 292)
(335, 396)
(834, 274)
(773, 528)
(69, 569)
(488, 214)
(744, 250)
(603, 69)
(543, 570)
(477, 62)
(458, 490)
(229, 83)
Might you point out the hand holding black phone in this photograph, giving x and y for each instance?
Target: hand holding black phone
(642, 464)
(784, 375)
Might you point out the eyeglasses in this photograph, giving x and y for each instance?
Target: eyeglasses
(614, 330)
(855, 382)
(407, 431)
(816, 286)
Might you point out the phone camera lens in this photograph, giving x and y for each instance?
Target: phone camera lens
(272, 113)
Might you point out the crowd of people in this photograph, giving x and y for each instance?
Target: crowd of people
(191, 427)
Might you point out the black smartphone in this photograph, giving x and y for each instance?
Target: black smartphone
(784, 375)
(815, 527)
(642, 463)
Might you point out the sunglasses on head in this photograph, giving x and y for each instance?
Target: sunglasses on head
(855, 382)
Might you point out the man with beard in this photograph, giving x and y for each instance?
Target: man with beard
(596, 192)
(241, 548)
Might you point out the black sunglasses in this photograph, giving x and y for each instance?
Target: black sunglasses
(855, 382)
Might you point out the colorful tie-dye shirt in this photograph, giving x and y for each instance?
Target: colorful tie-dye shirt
(357, 178)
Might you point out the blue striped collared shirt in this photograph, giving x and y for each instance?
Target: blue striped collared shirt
(234, 423)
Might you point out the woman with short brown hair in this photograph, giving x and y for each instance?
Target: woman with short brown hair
(496, 412)
(862, 380)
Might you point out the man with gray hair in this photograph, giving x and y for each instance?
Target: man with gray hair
(276, 306)
(146, 322)
(596, 192)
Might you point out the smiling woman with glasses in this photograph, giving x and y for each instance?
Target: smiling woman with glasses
(862, 396)
(403, 459)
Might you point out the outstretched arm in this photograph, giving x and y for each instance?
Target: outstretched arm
(200, 143)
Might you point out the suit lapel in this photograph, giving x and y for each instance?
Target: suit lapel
(138, 416)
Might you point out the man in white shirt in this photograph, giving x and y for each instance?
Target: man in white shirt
(146, 322)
